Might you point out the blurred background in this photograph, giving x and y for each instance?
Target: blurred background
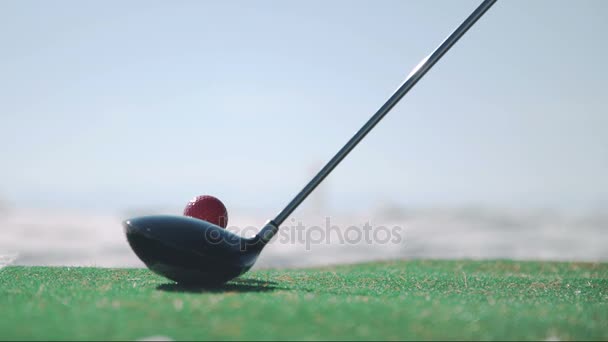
(111, 109)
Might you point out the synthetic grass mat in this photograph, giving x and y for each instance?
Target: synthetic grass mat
(389, 300)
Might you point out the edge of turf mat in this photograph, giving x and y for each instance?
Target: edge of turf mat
(418, 299)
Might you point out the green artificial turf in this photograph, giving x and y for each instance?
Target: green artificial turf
(394, 300)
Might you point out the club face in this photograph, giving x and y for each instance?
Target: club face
(188, 250)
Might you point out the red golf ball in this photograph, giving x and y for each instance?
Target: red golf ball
(207, 208)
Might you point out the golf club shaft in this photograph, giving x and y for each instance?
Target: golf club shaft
(417, 73)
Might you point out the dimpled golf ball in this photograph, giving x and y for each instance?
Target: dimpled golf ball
(207, 208)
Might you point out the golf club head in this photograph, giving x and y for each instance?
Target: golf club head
(190, 251)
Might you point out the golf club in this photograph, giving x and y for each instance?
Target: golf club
(192, 251)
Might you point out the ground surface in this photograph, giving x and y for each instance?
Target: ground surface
(397, 300)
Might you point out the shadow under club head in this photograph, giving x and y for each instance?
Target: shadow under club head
(190, 251)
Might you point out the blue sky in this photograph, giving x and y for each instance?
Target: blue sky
(111, 104)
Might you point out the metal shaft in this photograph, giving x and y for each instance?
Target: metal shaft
(416, 74)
